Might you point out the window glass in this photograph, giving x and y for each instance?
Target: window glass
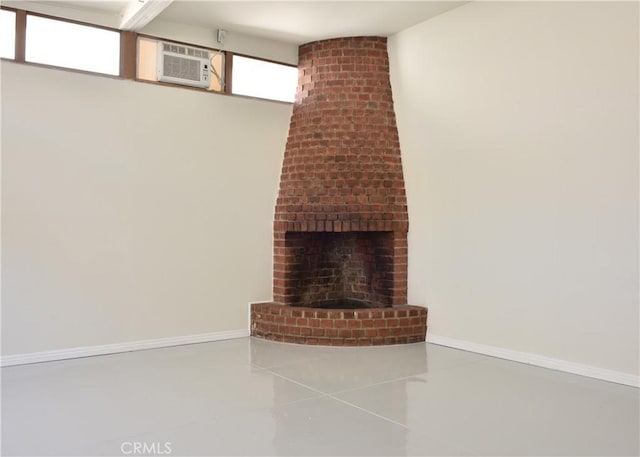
(70, 45)
(257, 78)
(7, 34)
(148, 56)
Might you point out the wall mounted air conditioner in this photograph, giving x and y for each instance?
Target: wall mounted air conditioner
(183, 65)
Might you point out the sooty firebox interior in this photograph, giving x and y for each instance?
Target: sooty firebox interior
(341, 270)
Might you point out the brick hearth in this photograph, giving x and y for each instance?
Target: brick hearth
(399, 324)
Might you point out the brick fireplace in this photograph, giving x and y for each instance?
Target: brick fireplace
(341, 221)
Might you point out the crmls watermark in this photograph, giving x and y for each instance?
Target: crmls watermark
(144, 448)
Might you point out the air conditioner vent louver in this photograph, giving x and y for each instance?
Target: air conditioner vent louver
(184, 50)
(177, 67)
(183, 65)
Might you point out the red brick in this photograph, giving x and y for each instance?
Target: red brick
(331, 332)
(341, 323)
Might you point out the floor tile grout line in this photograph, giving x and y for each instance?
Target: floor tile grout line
(328, 395)
(368, 411)
(298, 383)
(318, 356)
(210, 419)
(343, 390)
(288, 363)
(375, 384)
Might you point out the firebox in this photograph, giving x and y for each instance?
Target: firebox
(339, 270)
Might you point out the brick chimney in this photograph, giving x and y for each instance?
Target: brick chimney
(341, 222)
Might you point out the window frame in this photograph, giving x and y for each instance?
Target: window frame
(129, 54)
(70, 21)
(230, 76)
(15, 25)
(21, 41)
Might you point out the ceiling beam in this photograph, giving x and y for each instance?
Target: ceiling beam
(139, 13)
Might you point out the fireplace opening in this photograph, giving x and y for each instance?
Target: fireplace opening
(340, 304)
(339, 270)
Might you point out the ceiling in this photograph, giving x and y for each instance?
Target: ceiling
(294, 22)
(108, 6)
(303, 21)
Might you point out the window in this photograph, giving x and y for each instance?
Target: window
(35, 38)
(258, 78)
(7, 34)
(148, 56)
(70, 45)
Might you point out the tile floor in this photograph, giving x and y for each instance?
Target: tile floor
(253, 397)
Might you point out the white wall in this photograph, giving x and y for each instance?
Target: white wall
(519, 130)
(131, 211)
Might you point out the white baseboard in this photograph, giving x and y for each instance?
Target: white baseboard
(88, 351)
(538, 360)
(516, 356)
